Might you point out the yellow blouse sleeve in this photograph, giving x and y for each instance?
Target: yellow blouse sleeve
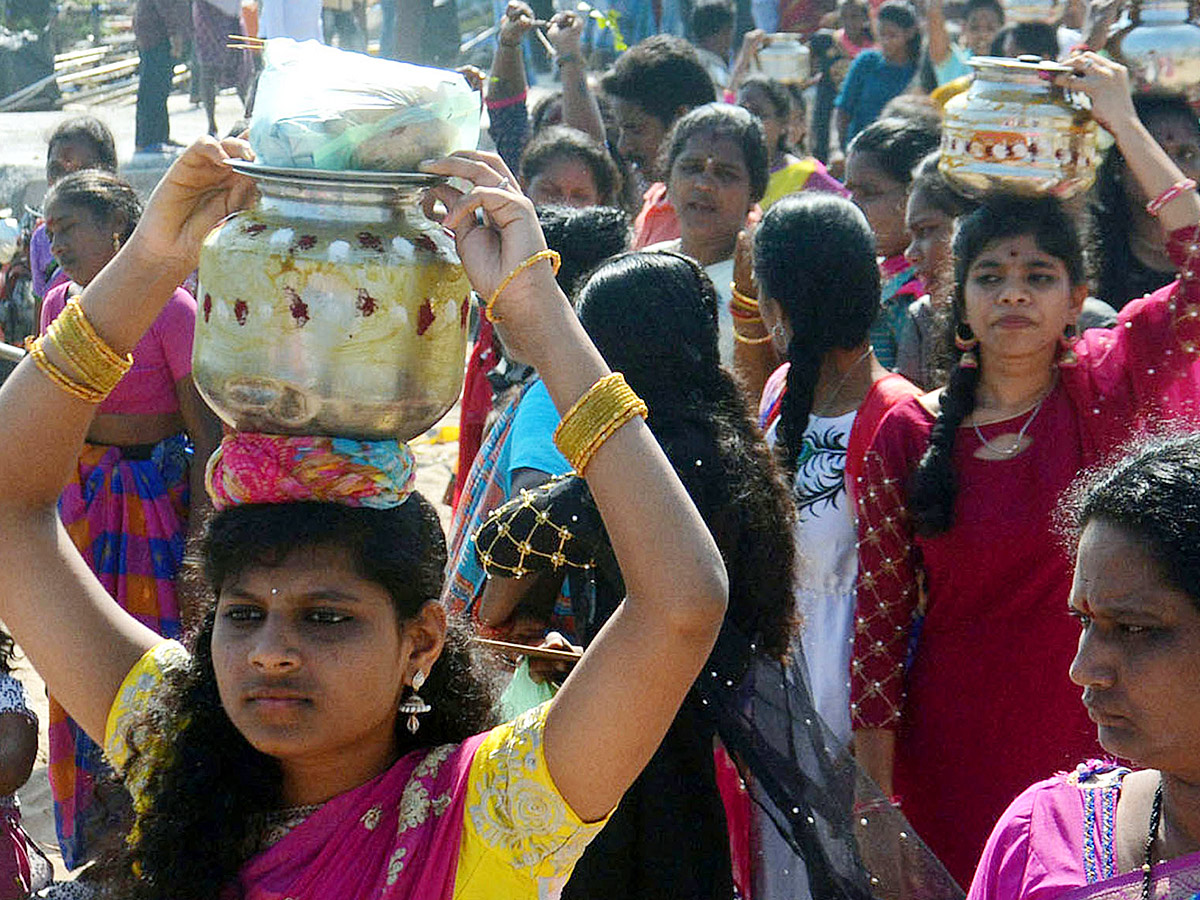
(143, 680)
(520, 837)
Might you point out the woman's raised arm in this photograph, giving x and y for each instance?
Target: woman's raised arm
(81, 642)
(1107, 84)
(614, 709)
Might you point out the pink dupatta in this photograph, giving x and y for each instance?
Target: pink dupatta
(396, 837)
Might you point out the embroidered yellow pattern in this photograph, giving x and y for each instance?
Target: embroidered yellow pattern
(520, 839)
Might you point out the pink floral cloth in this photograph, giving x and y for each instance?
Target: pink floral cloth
(397, 837)
(271, 468)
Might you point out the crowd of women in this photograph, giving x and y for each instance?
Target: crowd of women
(829, 499)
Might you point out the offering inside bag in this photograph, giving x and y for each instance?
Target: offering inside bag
(319, 107)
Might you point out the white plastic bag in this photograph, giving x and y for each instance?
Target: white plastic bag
(319, 107)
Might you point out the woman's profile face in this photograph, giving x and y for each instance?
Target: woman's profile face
(930, 231)
(80, 242)
(308, 660)
(1139, 652)
(1019, 299)
(881, 198)
(710, 188)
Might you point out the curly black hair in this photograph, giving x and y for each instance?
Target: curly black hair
(814, 255)
(555, 142)
(723, 120)
(653, 316)
(212, 782)
(105, 196)
(934, 486)
(1151, 492)
(660, 74)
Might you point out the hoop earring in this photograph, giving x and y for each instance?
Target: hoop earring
(964, 338)
(413, 705)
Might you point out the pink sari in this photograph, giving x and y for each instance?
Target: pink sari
(395, 838)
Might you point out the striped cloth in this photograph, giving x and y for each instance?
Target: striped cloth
(481, 493)
(128, 519)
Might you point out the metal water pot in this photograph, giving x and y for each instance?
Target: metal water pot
(784, 59)
(332, 306)
(1161, 47)
(1014, 130)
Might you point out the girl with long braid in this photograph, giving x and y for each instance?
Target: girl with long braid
(814, 261)
(959, 689)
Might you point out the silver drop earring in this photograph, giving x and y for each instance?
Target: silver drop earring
(413, 706)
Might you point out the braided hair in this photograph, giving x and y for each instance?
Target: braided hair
(814, 255)
(934, 485)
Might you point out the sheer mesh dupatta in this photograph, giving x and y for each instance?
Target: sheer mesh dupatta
(836, 837)
(824, 830)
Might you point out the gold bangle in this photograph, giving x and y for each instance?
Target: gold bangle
(56, 375)
(741, 299)
(606, 406)
(98, 342)
(555, 264)
(615, 424)
(751, 342)
(100, 368)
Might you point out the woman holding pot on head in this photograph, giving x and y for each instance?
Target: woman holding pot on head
(348, 718)
(961, 586)
(1102, 832)
(716, 160)
(136, 490)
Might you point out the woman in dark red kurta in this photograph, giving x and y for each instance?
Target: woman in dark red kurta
(963, 638)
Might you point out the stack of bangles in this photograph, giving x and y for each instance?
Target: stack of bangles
(1154, 207)
(97, 368)
(745, 313)
(595, 417)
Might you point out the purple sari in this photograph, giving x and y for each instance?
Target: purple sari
(397, 837)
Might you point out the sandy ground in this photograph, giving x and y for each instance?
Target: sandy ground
(436, 458)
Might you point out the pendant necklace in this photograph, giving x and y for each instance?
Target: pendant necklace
(1017, 444)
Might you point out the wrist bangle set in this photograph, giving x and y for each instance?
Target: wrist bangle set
(1155, 206)
(745, 310)
(596, 416)
(97, 368)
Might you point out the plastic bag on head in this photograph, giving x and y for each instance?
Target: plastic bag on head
(318, 107)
